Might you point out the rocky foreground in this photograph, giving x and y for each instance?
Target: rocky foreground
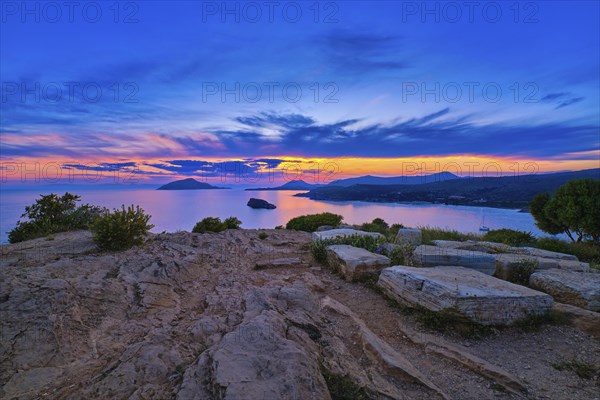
(231, 316)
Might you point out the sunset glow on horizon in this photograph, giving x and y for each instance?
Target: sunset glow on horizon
(343, 89)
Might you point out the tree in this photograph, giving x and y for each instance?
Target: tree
(574, 210)
(51, 214)
(542, 215)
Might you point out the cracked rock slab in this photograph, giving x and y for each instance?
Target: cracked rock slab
(576, 288)
(355, 263)
(432, 256)
(471, 294)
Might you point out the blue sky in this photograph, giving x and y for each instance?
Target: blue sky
(377, 80)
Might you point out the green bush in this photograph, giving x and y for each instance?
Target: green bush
(510, 237)
(310, 223)
(397, 256)
(552, 244)
(380, 226)
(211, 224)
(377, 225)
(520, 272)
(394, 231)
(232, 223)
(51, 214)
(585, 251)
(262, 235)
(121, 229)
(430, 234)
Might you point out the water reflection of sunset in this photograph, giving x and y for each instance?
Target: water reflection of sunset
(180, 210)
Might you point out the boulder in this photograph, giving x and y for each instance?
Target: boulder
(468, 245)
(463, 291)
(544, 253)
(355, 263)
(408, 237)
(573, 265)
(336, 233)
(507, 262)
(433, 256)
(576, 288)
(259, 203)
(586, 320)
(492, 248)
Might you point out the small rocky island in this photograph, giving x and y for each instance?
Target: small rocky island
(188, 184)
(259, 203)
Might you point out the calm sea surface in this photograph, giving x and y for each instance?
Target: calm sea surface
(180, 210)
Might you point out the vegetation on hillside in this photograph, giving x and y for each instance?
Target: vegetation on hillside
(121, 229)
(52, 214)
(574, 210)
(310, 223)
(508, 191)
(510, 237)
(211, 224)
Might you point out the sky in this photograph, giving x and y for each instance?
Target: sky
(260, 92)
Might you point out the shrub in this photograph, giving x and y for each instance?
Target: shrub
(552, 244)
(310, 223)
(585, 251)
(510, 237)
(51, 214)
(377, 225)
(121, 229)
(211, 224)
(232, 223)
(430, 234)
(394, 231)
(380, 226)
(397, 256)
(520, 272)
(263, 235)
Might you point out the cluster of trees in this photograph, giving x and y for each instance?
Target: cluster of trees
(574, 209)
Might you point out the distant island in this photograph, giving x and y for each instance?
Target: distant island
(394, 180)
(297, 184)
(501, 192)
(188, 184)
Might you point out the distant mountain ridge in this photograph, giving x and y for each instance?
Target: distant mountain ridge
(296, 184)
(394, 180)
(503, 192)
(188, 184)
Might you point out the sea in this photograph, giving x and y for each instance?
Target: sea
(180, 210)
